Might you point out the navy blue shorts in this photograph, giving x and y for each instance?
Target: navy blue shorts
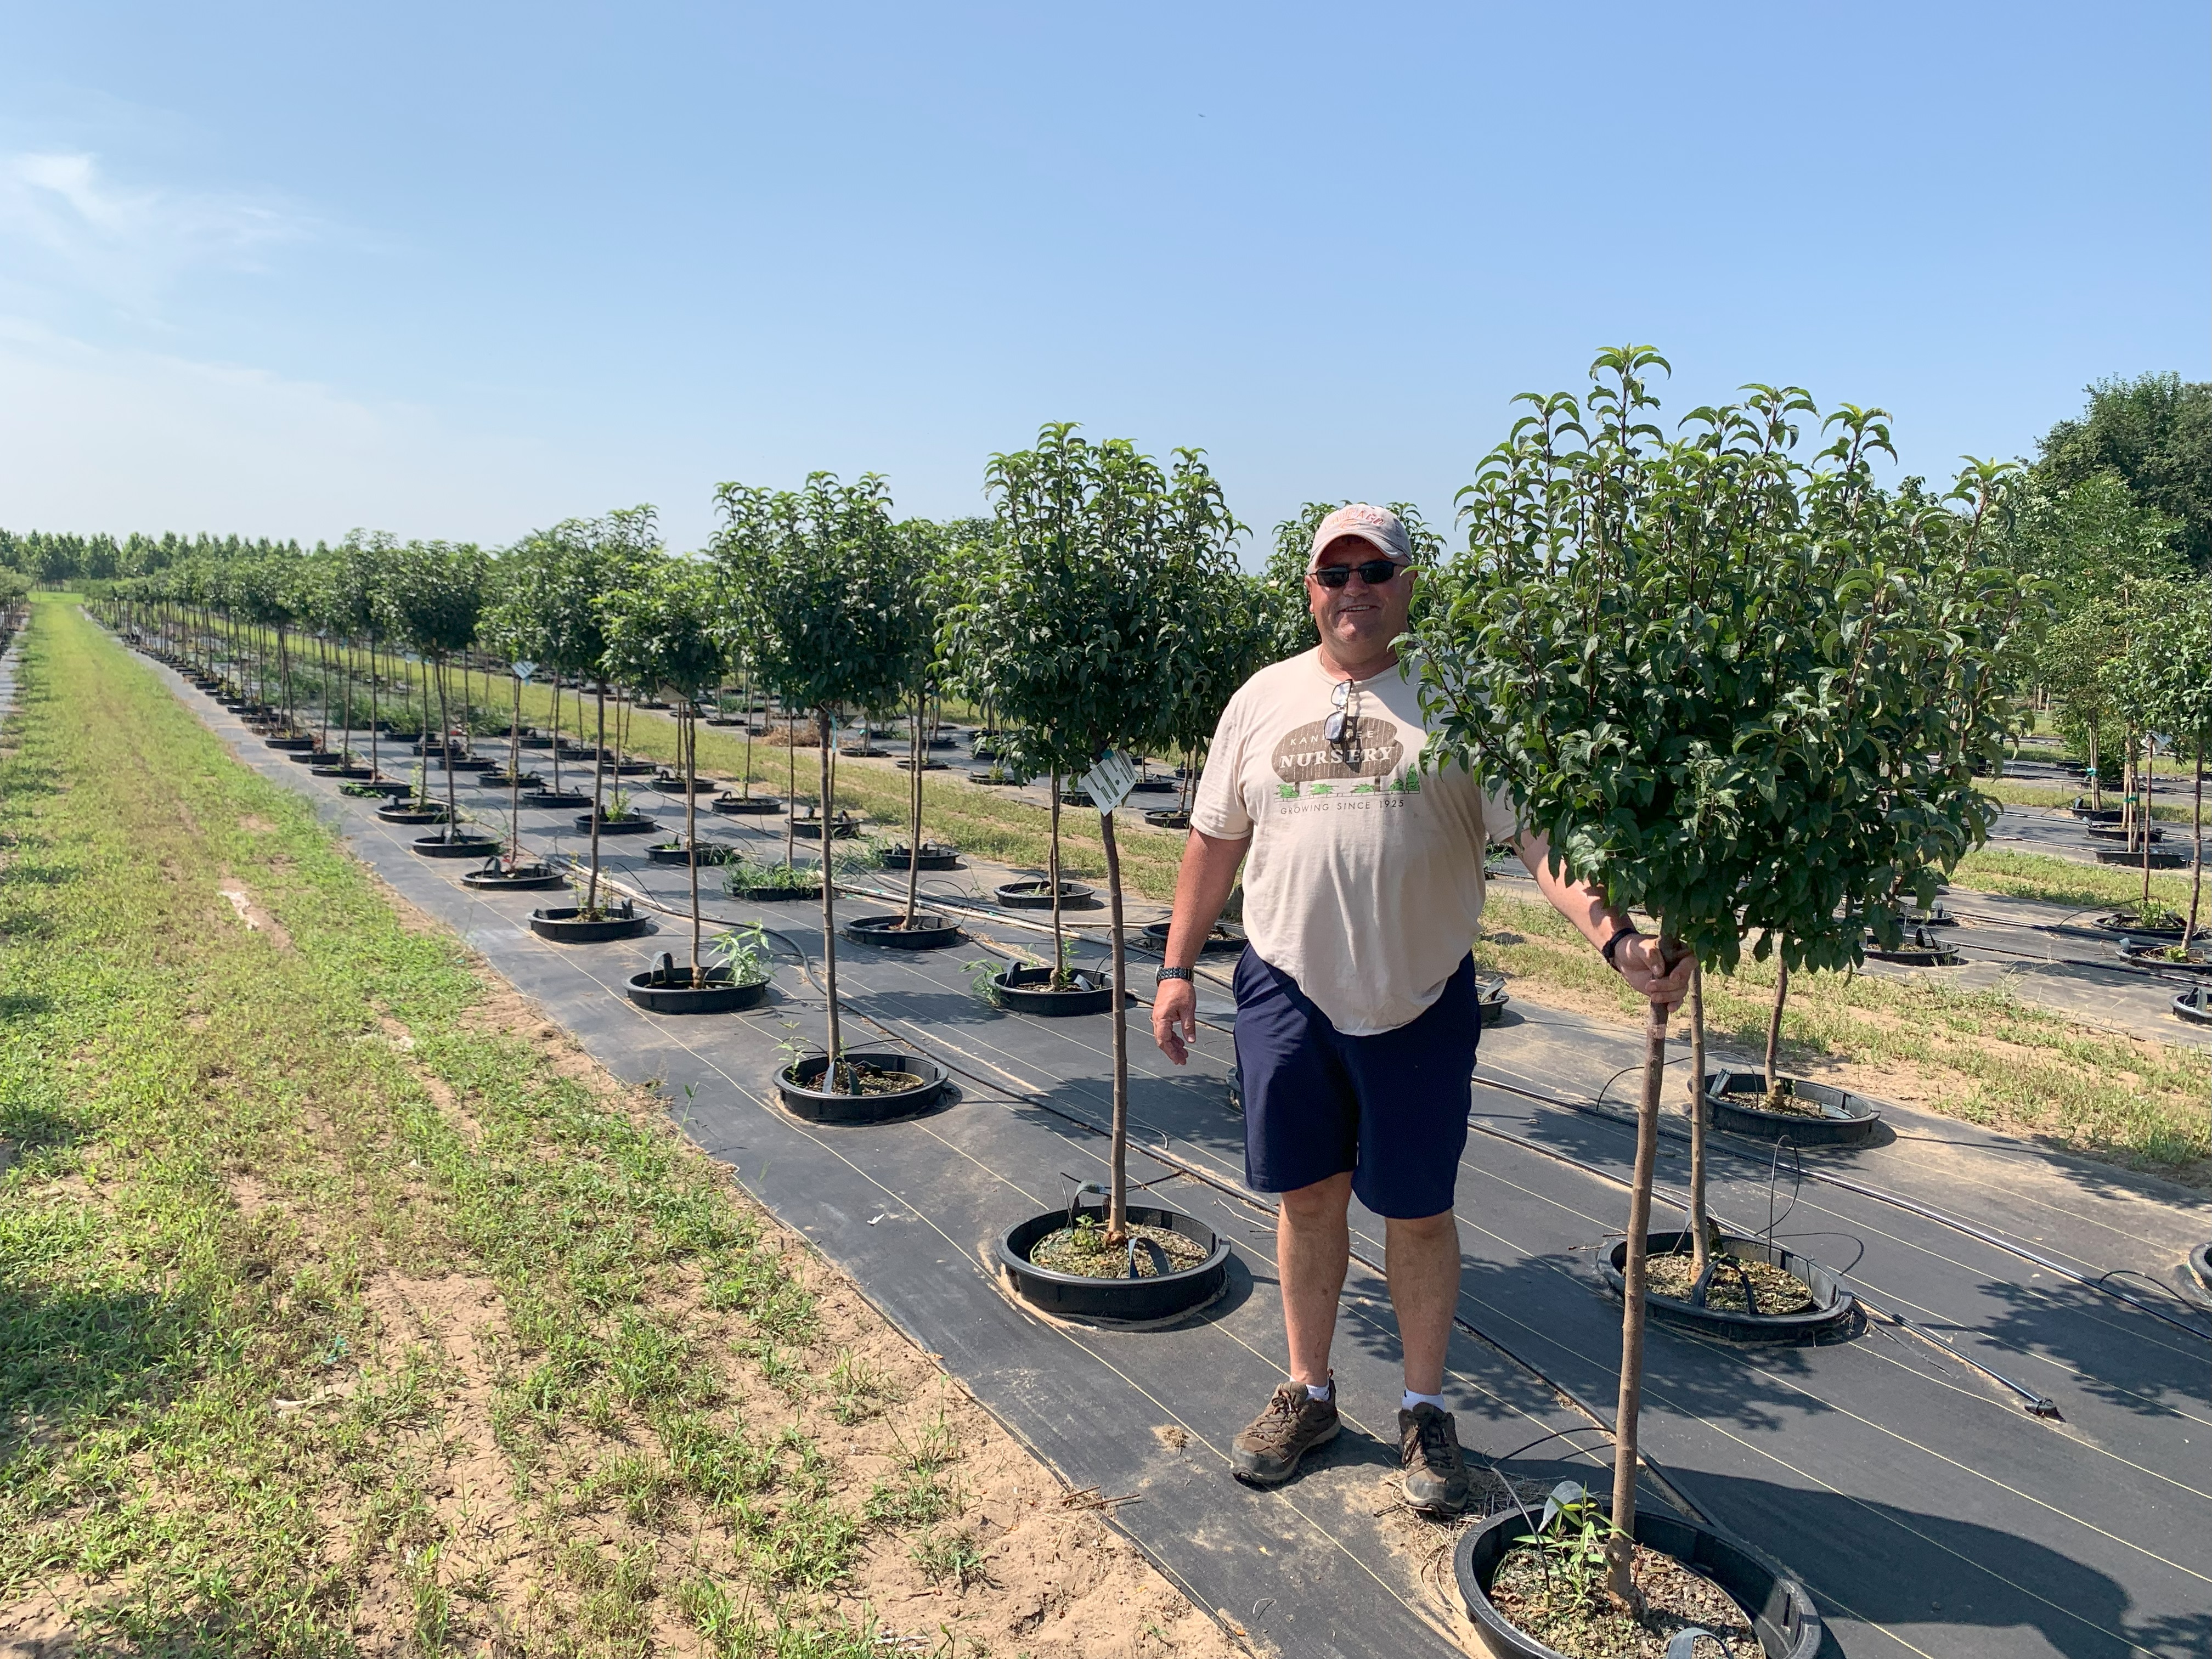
(1391, 1107)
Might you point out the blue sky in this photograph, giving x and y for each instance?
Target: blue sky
(463, 270)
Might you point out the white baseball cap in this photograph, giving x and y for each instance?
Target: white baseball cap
(1378, 525)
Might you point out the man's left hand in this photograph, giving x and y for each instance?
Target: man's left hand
(1641, 965)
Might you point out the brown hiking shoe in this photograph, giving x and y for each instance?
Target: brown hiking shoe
(1428, 1450)
(1293, 1424)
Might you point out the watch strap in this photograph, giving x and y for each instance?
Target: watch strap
(1627, 931)
(1184, 974)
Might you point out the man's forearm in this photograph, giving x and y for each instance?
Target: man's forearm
(1209, 871)
(1579, 902)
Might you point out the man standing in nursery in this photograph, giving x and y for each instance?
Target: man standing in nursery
(1356, 1012)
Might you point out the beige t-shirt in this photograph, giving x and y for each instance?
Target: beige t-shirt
(1363, 882)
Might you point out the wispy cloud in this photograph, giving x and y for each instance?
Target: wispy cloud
(61, 210)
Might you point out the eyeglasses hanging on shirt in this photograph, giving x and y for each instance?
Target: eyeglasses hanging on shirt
(1343, 725)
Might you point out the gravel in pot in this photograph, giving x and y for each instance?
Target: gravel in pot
(1755, 1291)
(1782, 1620)
(1802, 1112)
(1171, 1264)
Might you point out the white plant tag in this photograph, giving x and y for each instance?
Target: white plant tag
(1109, 783)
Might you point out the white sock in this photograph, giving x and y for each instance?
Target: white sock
(1412, 1400)
(1322, 1392)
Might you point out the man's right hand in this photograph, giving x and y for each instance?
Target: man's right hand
(1174, 1018)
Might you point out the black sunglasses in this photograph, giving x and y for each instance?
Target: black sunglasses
(1374, 573)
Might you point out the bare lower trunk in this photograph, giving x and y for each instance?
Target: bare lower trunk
(1118, 1213)
(914, 816)
(453, 808)
(791, 795)
(2197, 841)
(1620, 1549)
(375, 765)
(599, 783)
(2096, 778)
(1774, 1023)
(687, 739)
(829, 913)
(1699, 1115)
(515, 781)
(1052, 874)
(745, 783)
(2149, 777)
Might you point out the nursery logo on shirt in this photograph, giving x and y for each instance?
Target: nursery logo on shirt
(1304, 755)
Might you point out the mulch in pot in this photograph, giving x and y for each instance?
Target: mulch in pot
(1586, 1626)
(1083, 1251)
(1777, 1290)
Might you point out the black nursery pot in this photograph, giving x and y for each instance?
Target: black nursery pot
(1222, 941)
(1490, 997)
(1832, 1305)
(1168, 820)
(674, 786)
(347, 771)
(710, 853)
(1073, 1296)
(630, 823)
(456, 844)
(555, 798)
(666, 988)
(2146, 953)
(2194, 1005)
(1028, 991)
(2124, 921)
(1038, 894)
(566, 924)
(842, 828)
(2200, 1264)
(312, 757)
(411, 814)
(935, 855)
(745, 806)
(1781, 1614)
(800, 1088)
(1845, 1120)
(2134, 857)
(1919, 949)
(931, 932)
(290, 744)
(523, 878)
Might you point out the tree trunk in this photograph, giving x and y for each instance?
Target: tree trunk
(1774, 1023)
(2196, 838)
(599, 783)
(829, 912)
(1619, 1548)
(515, 781)
(1051, 871)
(2148, 778)
(2096, 775)
(916, 752)
(791, 797)
(687, 739)
(1701, 1114)
(323, 703)
(557, 730)
(1118, 1213)
(375, 764)
(745, 783)
(453, 808)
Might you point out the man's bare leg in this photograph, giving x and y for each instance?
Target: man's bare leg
(1313, 1248)
(1422, 1259)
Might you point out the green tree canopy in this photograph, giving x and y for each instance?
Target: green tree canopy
(2154, 432)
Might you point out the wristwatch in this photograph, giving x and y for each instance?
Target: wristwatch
(1627, 931)
(1182, 974)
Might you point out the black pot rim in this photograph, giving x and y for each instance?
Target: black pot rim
(1034, 893)
(1782, 1615)
(561, 922)
(1217, 943)
(1861, 1122)
(1134, 1300)
(2140, 954)
(2111, 923)
(469, 843)
(1096, 996)
(2193, 1004)
(819, 1106)
(883, 930)
(745, 805)
(1832, 1304)
(721, 994)
(2200, 1264)
(524, 880)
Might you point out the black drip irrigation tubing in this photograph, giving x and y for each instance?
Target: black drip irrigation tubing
(1177, 1166)
(1925, 1212)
